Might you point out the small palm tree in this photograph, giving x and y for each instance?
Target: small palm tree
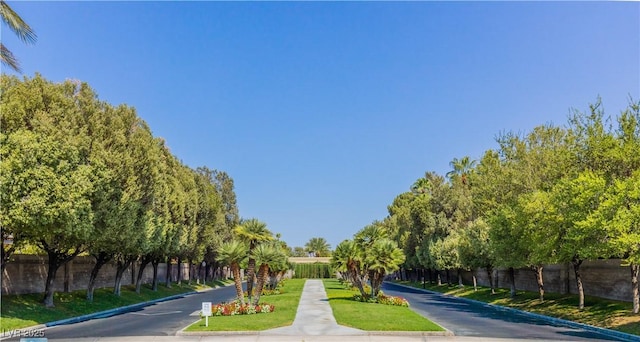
(253, 232)
(318, 246)
(233, 253)
(347, 260)
(20, 28)
(382, 258)
(265, 254)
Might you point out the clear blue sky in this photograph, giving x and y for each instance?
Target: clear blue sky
(323, 112)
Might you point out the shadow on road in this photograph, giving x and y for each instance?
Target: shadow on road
(480, 317)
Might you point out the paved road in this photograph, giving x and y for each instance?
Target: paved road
(476, 320)
(161, 319)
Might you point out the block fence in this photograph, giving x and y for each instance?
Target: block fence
(28, 273)
(601, 278)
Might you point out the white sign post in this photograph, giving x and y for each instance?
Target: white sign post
(206, 312)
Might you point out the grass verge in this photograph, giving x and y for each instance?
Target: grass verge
(598, 312)
(286, 305)
(372, 316)
(20, 311)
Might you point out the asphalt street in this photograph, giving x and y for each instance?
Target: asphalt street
(160, 319)
(477, 320)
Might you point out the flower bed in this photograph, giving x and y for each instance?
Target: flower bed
(266, 292)
(235, 308)
(382, 299)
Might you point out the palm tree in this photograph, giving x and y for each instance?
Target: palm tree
(265, 254)
(20, 28)
(420, 186)
(253, 232)
(382, 258)
(233, 253)
(461, 168)
(347, 259)
(318, 246)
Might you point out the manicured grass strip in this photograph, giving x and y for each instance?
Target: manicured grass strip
(598, 312)
(286, 306)
(372, 316)
(20, 311)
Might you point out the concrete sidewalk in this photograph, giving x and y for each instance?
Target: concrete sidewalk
(314, 316)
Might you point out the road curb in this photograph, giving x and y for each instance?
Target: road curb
(607, 332)
(115, 311)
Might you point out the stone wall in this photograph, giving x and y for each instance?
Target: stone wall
(601, 278)
(28, 273)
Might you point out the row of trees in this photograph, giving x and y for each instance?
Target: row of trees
(552, 195)
(79, 175)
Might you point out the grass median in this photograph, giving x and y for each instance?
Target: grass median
(21, 311)
(372, 316)
(598, 312)
(286, 305)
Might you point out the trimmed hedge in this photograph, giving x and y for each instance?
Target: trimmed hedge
(315, 270)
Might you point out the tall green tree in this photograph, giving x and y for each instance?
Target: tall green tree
(20, 28)
(49, 176)
(574, 200)
(46, 197)
(620, 215)
(474, 249)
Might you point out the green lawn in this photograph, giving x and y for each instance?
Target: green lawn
(598, 312)
(20, 311)
(286, 305)
(372, 316)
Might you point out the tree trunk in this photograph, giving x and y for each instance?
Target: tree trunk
(262, 275)
(235, 269)
(179, 271)
(512, 279)
(133, 272)
(143, 264)
(122, 266)
(460, 284)
(7, 249)
(356, 280)
(101, 259)
(251, 270)
(576, 269)
(56, 259)
(449, 277)
(635, 269)
(538, 271)
(438, 278)
(475, 282)
(67, 275)
(51, 276)
(168, 277)
(155, 263)
(489, 269)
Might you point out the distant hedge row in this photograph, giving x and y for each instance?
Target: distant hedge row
(315, 270)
